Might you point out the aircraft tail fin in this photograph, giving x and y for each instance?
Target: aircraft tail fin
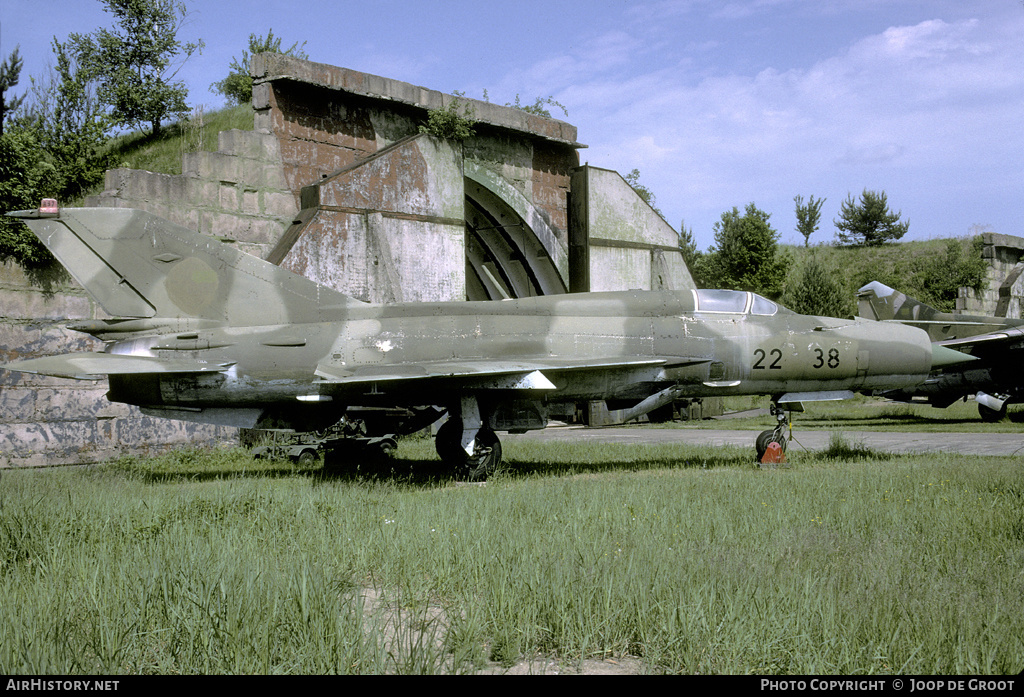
(879, 302)
(138, 265)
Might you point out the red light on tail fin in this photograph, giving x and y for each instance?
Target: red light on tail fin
(49, 205)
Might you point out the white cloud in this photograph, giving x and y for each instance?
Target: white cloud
(909, 107)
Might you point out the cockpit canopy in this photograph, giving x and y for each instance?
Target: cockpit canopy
(738, 302)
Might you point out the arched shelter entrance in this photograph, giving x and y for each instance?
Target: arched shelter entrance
(511, 249)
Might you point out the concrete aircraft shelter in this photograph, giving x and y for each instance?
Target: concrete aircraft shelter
(337, 183)
(388, 214)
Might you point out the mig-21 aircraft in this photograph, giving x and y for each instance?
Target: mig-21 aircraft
(994, 380)
(204, 332)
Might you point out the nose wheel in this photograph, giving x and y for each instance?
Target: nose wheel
(770, 445)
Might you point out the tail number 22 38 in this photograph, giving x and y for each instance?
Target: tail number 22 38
(770, 360)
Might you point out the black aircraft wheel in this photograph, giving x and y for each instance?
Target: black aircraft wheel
(766, 437)
(447, 443)
(990, 415)
(486, 459)
(762, 441)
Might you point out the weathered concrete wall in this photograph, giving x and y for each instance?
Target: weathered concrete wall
(618, 240)
(1003, 294)
(389, 228)
(330, 122)
(327, 117)
(238, 193)
(49, 421)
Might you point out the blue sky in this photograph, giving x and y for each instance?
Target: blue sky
(717, 103)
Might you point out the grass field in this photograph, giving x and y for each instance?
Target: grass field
(693, 560)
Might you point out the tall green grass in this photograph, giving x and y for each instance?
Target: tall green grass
(694, 560)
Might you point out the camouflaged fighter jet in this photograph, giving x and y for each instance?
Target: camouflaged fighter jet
(994, 379)
(204, 332)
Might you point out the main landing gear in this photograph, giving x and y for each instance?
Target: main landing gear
(771, 444)
(991, 408)
(467, 444)
(486, 455)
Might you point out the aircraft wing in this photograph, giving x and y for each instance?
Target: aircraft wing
(96, 366)
(1010, 337)
(929, 323)
(490, 374)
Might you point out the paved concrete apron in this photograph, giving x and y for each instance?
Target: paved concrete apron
(963, 443)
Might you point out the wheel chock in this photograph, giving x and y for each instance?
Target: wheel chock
(773, 454)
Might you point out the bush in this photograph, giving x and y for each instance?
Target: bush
(942, 276)
(21, 176)
(449, 124)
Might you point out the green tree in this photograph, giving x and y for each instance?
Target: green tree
(633, 179)
(687, 244)
(70, 125)
(942, 276)
(237, 86)
(807, 216)
(692, 256)
(21, 176)
(51, 149)
(10, 73)
(746, 254)
(869, 222)
(818, 290)
(133, 63)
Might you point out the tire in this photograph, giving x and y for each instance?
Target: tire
(482, 465)
(990, 415)
(307, 458)
(485, 460)
(446, 443)
(766, 437)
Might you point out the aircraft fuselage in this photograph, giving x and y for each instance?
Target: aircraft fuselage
(647, 340)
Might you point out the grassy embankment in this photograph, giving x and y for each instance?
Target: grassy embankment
(694, 560)
(163, 153)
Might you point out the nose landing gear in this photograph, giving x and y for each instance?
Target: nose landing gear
(770, 445)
